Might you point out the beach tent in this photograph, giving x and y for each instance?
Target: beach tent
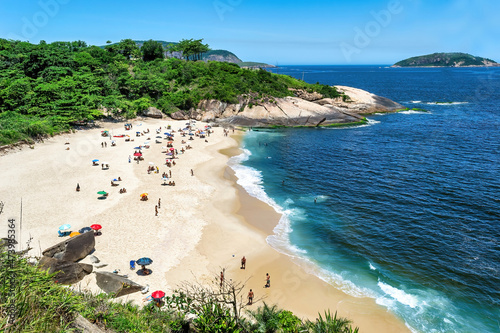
(65, 227)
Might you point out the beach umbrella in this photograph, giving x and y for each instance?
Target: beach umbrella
(151, 163)
(158, 137)
(105, 163)
(101, 192)
(138, 132)
(158, 294)
(95, 160)
(191, 134)
(144, 195)
(146, 142)
(115, 180)
(138, 147)
(65, 227)
(144, 261)
(170, 154)
(166, 133)
(85, 229)
(74, 233)
(172, 149)
(137, 154)
(170, 142)
(95, 227)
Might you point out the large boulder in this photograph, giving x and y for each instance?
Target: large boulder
(67, 272)
(152, 112)
(116, 284)
(72, 249)
(179, 115)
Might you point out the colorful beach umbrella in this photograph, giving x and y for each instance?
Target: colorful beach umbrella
(74, 233)
(144, 261)
(158, 294)
(95, 160)
(137, 154)
(65, 227)
(102, 192)
(172, 149)
(84, 229)
(144, 195)
(96, 227)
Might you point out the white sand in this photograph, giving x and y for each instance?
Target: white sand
(203, 221)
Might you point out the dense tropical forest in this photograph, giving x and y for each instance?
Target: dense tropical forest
(45, 88)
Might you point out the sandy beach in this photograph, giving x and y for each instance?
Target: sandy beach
(206, 222)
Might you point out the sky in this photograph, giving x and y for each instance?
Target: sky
(280, 32)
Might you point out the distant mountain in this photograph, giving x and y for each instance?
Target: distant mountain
(454, 59)
(215, 55)
(221, 55)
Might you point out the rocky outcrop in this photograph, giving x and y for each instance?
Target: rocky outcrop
(67, 272)
(306, 109)
(152, 112)
(115, 284)
(72, 249)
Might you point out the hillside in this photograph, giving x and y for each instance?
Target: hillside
(46, 88)
(455, 59)
(213, 55)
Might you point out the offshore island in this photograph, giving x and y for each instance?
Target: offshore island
(453, 59)
(128, 166)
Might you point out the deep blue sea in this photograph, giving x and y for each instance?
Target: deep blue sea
(407, 207)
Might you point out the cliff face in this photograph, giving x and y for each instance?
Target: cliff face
(309, 109)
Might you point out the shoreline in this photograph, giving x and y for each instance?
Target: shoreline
(293, 288)
(206, 223)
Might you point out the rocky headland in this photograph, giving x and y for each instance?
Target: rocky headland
(302, 110)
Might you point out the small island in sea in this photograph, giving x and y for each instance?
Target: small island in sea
(453, 59)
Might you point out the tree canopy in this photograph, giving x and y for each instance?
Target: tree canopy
(192, 49)
(152, 50)
(45, 88)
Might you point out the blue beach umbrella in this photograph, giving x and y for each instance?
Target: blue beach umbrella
(85, 229)
(95, 160)
(144, 261)
(138, 147)
(65, 227)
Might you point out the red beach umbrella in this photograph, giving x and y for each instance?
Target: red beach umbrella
(158, 294)
(137, 154)
(172, 149)
(96, 227)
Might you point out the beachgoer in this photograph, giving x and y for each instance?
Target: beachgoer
(156, 210)
(221, 278)
(159, 204)
(250, 297)
(119, 179)
(315, 200)
(192, 172)
(102, 144)
(268, 280)
(105, 144)
(243, 262)
(129, 159)
(78, 187)
(170, 173)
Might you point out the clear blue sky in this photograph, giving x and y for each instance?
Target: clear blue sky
(275, 32)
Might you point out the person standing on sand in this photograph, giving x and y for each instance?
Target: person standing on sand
(78, 187)
(192, 172)
(221, 278)
(250, 297)
(243, 263)
(159, 204)
(156, 210)
(268, 281)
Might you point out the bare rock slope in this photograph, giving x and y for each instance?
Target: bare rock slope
(310, 109)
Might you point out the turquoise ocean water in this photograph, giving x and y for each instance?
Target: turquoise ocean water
(407, 207)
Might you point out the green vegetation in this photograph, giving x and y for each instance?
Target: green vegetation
(45, 88)
(37, 304)
(454, 59)
(253, 64)
(412, 109)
